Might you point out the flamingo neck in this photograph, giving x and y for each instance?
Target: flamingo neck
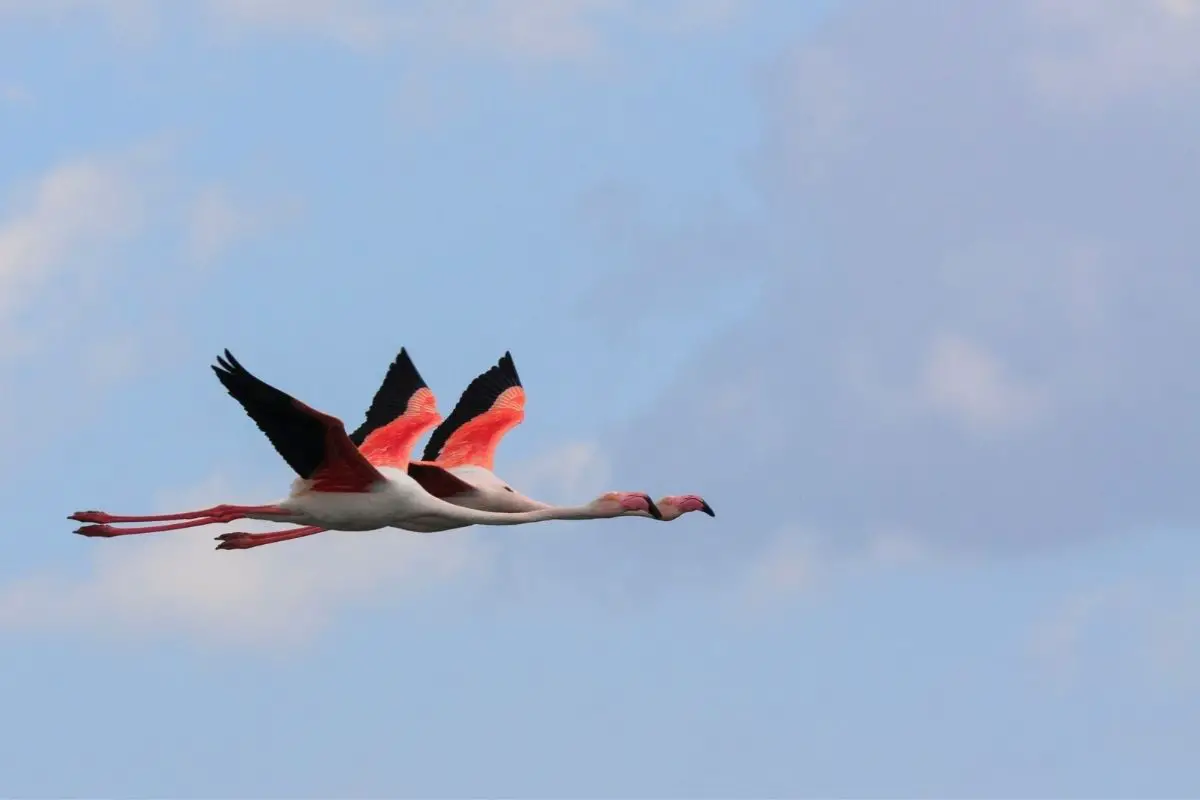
(470, 516)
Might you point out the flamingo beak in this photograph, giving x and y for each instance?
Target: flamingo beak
(706, 508)
(653, 509)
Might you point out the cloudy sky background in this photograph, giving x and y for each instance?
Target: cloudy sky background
(906, 291)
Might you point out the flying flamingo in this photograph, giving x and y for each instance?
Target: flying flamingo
(465, 445)
(404, 401)
(338, 488)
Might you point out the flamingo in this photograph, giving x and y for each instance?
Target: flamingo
(404, 399)
(338, 488)
(464, 445)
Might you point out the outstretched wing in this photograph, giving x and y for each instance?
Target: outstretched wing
(313, 444)
(401, 383)
(403, 408)
(491, 405)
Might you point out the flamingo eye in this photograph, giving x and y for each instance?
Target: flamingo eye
(508, 489)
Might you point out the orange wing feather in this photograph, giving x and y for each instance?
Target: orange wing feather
(491, 406)
(392, 444)
(403, 408)
(475, 442)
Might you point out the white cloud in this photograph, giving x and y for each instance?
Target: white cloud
(217, 220)
(58, 229)
(114, 358)
(74, 259)
(532, 29)
(1150, 626)
(131, 20)
(1093, 53)
(1057, 638)
(689, 14)
(526, 30)
(968, 384)
(14, 93)
(801, 561)
(356, 23)
(278, 595)
(976, 262)
(957, 379)
(794, 562)
(521, 30)
(573, 473)
(897, 548)
(282, 595)
(214, 224)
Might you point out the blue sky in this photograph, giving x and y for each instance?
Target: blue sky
(906, 292)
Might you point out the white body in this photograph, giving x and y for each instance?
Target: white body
(490, 495)
(400, 502)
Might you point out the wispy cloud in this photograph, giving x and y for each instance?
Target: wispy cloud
(800, 562)
(1149, 626)
(277, 596)
(569, 473)
(178, 584)
(968, 384)
(133, 21)
(218, 220)
(14, 93)
(523, 30)
(979, 262)
(80, 245)
(1091, 56)
(537, 31)
(59, 226)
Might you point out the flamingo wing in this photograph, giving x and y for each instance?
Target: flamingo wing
(491, 405)
(403, 408)
(313, 444)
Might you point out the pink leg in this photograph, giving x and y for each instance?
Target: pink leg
(107, 531)
(244, 541)
(221, 511)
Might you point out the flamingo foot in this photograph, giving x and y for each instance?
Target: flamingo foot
(91, 516)
(240, 540)
(103, 531)
(221, 513)
(106, 530)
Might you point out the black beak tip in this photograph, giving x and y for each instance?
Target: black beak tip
(654, 512)
(706, 508)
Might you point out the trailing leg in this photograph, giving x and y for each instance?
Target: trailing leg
(244, 541)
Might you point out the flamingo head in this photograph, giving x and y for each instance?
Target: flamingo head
(675, 506)
(616, 504)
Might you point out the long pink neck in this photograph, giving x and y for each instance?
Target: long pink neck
(668, 513)
(470, 516)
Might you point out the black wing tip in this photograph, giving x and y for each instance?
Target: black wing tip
(228, 364)
(477, 398)
(403, 361)
(401, 381)
(224, 370)
(508, 368)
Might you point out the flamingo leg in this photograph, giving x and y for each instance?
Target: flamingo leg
(226, 513)
(107, 531)
(244, 541)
